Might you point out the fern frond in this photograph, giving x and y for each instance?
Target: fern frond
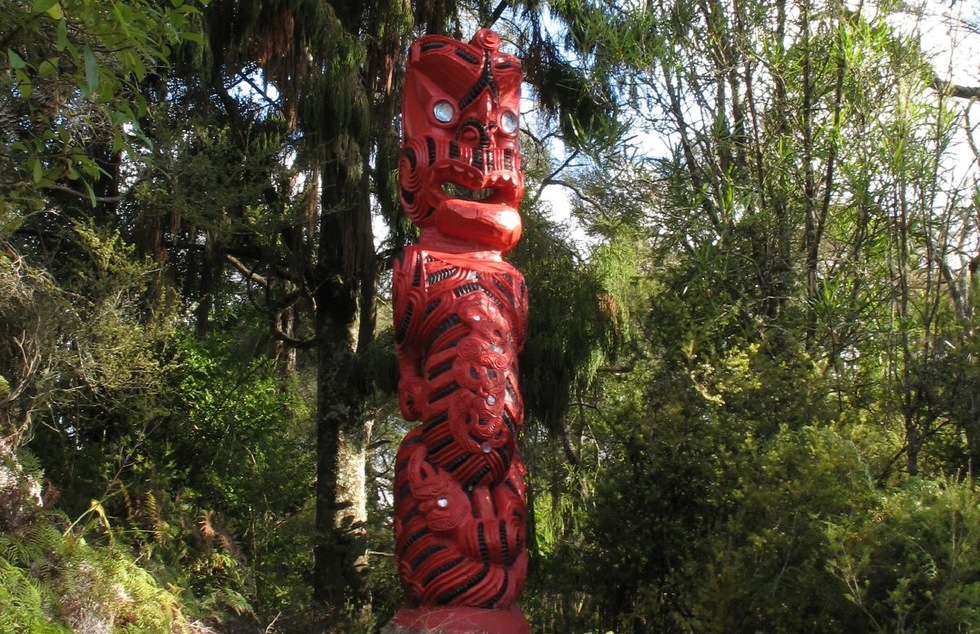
(153, 513)
(15, 550)
(230, 599)
(207, 528)
(131, 510)
(24, 598)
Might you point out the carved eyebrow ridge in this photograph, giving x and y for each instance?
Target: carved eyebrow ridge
(486, 80)
(468, 56)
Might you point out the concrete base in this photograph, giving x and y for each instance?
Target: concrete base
(458, 620)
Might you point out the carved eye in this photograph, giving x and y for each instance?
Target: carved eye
(443, 111)
(508, 122)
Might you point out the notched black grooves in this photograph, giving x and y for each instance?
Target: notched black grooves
(442, 329)
(458, 462)
(441, 570)
(425, 554)
(441, 275)
(414, 537)
(435, 422)
(460, 589)
(444, 392)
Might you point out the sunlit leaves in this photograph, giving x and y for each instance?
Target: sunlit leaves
(803, 347)
(16, 61)
(77, 67)
(51, 7)
(912, 559)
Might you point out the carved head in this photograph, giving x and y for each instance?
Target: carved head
(460, 171)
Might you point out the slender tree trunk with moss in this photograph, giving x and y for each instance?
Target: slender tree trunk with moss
(340, 565)
(340, 574)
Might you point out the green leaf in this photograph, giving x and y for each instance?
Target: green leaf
(91, 193)
(48, 68)
(132, 62)
(43, 6)
(91, 70)
(118, 141)
(123, 15)
(24, 84)
(61, 41)
(16, 61)
(51, 7)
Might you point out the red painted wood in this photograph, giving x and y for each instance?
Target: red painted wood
(463, 620)
(460, 316)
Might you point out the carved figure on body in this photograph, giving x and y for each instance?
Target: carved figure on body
(460, 321)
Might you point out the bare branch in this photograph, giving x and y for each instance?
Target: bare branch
(30, 362)
(623, 368)
(550, 179)
(246, 77)
(566, 443)
(248, 272)
(292, 342)
(499, 11)
(950, 89)
(968, 128)
(83, 195)
(578, 192)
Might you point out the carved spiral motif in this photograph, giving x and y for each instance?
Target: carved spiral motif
(460, 321)
(459, 480)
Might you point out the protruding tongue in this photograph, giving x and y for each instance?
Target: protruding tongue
(494, 225)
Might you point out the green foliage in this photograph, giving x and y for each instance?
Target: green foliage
(565, 347)
(559, 596)
(219, 492)
(801, 353)
(100, 395)
(23, 607)
(54, 580)
(235, 405)
(767, 565)
(121, 413)
(75, 73)
(29, 301)
(909, 563)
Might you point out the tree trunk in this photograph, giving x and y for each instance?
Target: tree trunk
(346, 248)
(340, 570)
(341, 509)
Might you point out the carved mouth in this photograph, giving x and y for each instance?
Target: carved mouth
(458, 191)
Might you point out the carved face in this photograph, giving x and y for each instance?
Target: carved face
(459, 174)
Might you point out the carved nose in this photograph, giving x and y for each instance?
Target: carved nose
(475, 133)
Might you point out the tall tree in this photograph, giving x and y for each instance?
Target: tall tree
(302, 235)
(788, 258)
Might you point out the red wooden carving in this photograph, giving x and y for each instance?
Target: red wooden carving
(460, 321)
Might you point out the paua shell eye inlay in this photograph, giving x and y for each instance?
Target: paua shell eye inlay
(460, 318)
(508, 122)
(443, 111)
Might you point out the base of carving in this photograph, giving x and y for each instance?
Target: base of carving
(458, 620)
